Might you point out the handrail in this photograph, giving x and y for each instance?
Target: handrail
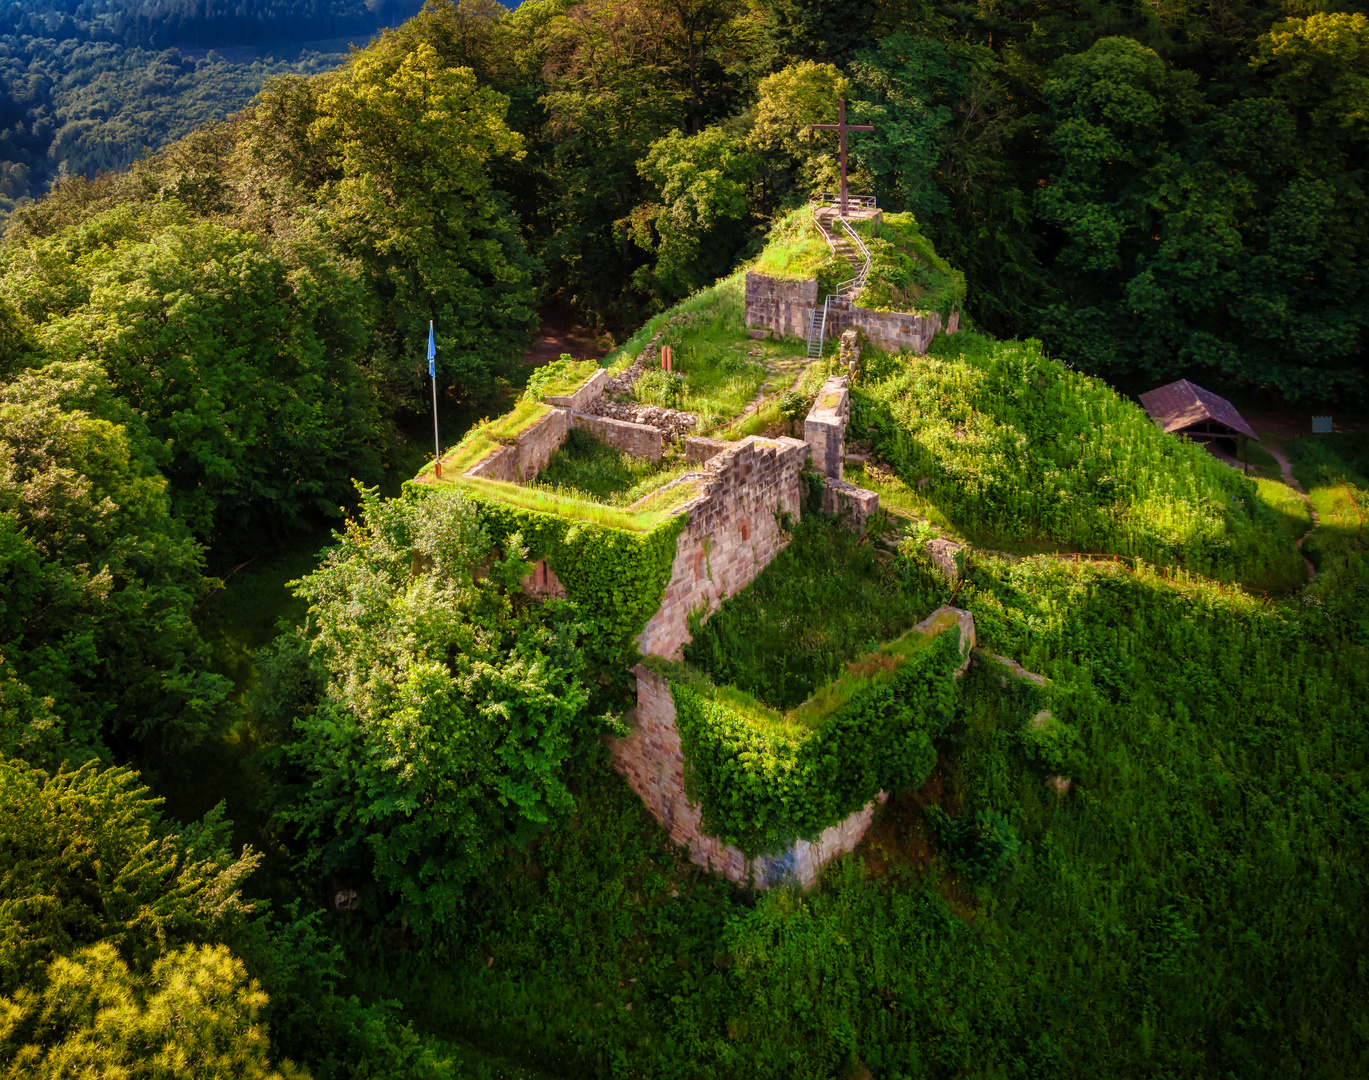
(833, 198)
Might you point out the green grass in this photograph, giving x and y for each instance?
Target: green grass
(1334, 469)
(487, 436)
(1019, 452)
(1192, 908)
(561, 377)
(587, 467)
(906, 273)
(824, 601)
(642, 520)
(796, 251)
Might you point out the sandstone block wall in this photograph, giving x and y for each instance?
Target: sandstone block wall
(700, 449)
(839, 497)
(889, 330)
(524, 460)
(653, 763)
(732, 533)
(590, 392)
(783, 307)
(824, 430)
(639, 440)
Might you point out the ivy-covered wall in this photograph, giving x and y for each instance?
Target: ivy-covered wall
(762, 787)
(617, 575)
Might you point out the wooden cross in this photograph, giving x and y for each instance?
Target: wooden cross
(843, 127)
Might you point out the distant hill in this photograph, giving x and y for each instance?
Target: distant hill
(201, 23)
(93, 89)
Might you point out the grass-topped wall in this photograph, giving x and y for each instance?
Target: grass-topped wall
(618, 574)
(765, 779)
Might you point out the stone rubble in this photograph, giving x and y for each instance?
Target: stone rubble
(673, 422)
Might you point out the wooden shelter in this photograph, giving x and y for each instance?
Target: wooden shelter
(1181, 408)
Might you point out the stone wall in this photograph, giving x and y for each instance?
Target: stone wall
(653, 763)
(581, 399)
(639, 440)
(700, 449)
(840, 497)
(889, 330)
(824, 430)
(783, 307)
(732, 535)
(522, 461)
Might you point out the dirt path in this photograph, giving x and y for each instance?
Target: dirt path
(562, 332)
(1288, 479)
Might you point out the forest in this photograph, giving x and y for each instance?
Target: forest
(297, 780)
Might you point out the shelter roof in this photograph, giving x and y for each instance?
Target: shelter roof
(1181, 404)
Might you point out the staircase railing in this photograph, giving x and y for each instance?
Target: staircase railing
(846, 291)
(833, 198)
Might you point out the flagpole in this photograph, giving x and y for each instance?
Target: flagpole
(432, 371)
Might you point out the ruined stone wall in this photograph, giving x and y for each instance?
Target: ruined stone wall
(581, 399)
(889, 330)
(639, 440)
(783, 307)
(732, 533)
(529, 456)
(824, 429)
(653, 763)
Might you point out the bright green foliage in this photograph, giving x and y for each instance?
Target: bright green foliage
(98, 579)
(450, 707)
(562, 376)
(761, 789)
(788, 102)
(88, 859)
(100, 906)
(906, 273)
(824, 600)
(796, 251)
(1192, 904)
(590, 468)
(239, 357)
(406, 140)
(196, 1014)
(1013, 447)
(700, 204)
(615, 577)
(1335, 471)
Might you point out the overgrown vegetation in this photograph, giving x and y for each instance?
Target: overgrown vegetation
(825, 600)
(589, 468)
(1015, 449)
(906, 273)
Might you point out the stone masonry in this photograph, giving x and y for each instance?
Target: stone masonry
(840, 498)
(639, 440)
(824, 430)
(733, 533)
(784, 307)
(529, 454)
(581, 399)
(890, 330)
(653, 763)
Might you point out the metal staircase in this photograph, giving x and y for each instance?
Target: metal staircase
(845, 243)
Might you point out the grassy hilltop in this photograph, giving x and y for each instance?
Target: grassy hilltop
(1164, 878)
(274, 811)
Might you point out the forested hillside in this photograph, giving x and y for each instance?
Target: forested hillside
(268, 810)
(90, 87)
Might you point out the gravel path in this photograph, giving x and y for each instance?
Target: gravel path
(1288, 479)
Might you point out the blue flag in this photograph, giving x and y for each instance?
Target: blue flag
(432, 352)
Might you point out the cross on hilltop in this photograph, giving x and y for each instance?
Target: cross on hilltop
(843, 127)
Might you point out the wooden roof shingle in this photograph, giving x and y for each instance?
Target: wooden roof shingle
(1181, 404)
